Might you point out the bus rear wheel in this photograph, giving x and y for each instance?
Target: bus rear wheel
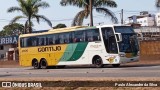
(43, 64)
(115, 65)
(35, 64)
(97, 62)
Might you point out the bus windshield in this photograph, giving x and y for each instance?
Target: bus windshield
(129, 42)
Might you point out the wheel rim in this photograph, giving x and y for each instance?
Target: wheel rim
(43, 64)
(98, 62)
(36, 64)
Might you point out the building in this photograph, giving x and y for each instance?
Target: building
(8, 48)
(158, 19)
(145, 19)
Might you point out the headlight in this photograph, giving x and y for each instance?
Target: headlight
(122, 55)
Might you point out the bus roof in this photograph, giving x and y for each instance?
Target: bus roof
(68, 29)
(57, 31)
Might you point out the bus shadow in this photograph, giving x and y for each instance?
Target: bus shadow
(106, 66)
(90, 66)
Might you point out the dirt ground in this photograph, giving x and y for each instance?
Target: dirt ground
(9, 64)
(145, 62)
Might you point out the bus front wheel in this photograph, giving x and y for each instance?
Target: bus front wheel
(97, 62)
(43, 64)
(35, 64)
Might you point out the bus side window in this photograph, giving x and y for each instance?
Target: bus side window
(34, 41)
(61, 38)
(70, 37)
(25, 42)
(79, 36)
(90, 39)
(66, 38)
(95, 38)
(89, 35)
(29, 42)
(41, 41)
(96, 35)
(57, 41)
(50, 39)
(46, 40)
(22, 42)
(74, 40)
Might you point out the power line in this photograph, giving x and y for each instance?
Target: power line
(138, 11)
(69, 19)
(6, 20)
(56, 20)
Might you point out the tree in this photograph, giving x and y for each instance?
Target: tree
(87, 6)
(59, 26)
(12, 29)
(2, 33)
(29, 9)
(157, 3)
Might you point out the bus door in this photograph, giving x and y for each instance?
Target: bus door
(109, 41)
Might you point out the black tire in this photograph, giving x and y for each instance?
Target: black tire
(35, 64)
(115, 65)
(61, 66)
(97, 62)
(43, 64)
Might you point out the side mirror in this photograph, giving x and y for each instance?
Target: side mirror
(119, 37)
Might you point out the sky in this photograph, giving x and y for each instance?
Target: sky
(60, 14)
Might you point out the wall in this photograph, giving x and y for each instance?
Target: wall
(150, 50)
(8, 40)
(158, 19)
(5, 49)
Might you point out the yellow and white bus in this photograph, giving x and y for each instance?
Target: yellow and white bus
(99, 45)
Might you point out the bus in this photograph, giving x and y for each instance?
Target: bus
(80, 45)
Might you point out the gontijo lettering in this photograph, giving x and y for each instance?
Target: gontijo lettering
(46, 49)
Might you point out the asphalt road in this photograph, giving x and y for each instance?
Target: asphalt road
(123, 71)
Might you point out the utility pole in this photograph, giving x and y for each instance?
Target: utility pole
(122, 16)
(91, 13)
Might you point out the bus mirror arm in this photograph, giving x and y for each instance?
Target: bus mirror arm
(119, 37)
